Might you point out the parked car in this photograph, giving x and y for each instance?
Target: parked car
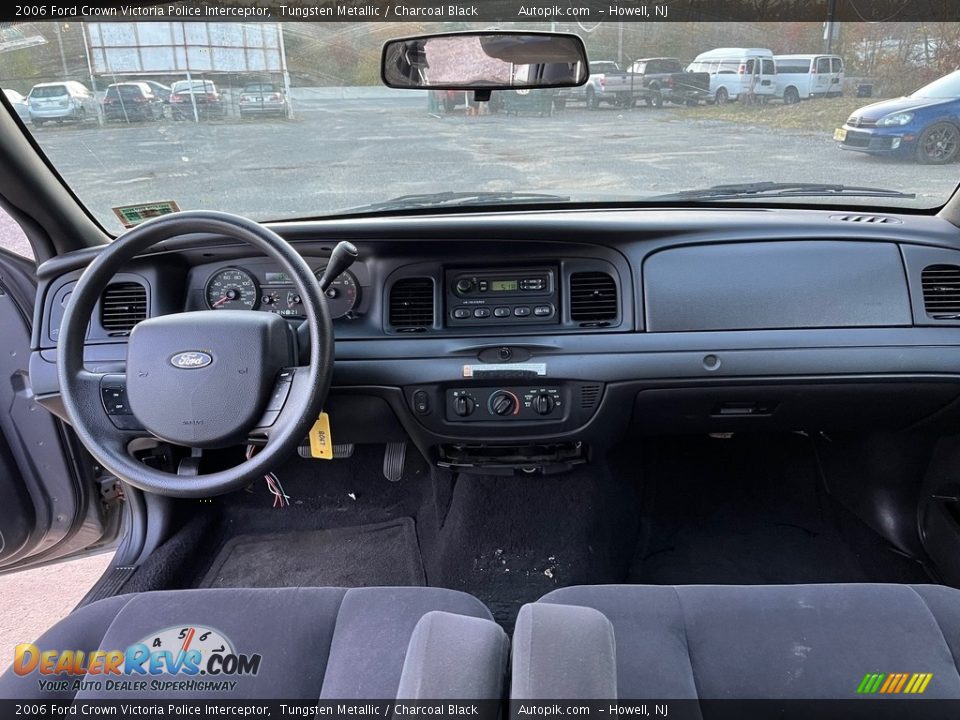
(131, 101)
(160, 90)
(59, 101)
(208, 100)
(19, 103)
(665, 79)
(800, 77)
(924, 125)
(608, 83)
(262, 98)
(737, 71)
(538, 102)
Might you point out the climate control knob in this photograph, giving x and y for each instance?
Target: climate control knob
(503, 403)
(543, 404)
(464, 405)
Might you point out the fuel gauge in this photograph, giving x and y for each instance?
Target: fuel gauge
(343, 295)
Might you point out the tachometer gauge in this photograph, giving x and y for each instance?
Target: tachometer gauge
(231, 289)
(342, 295)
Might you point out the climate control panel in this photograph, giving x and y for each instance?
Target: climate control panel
(524, 402)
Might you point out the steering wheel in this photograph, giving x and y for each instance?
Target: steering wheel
(204, 379)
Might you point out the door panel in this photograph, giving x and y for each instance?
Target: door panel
(51, 505)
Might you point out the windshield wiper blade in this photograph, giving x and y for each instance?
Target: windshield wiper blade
(458, 199)
(781, 189)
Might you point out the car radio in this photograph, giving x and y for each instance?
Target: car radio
(497, 297)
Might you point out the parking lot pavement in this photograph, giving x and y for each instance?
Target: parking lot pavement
(12, 237)
(33, 600)
(350, 152)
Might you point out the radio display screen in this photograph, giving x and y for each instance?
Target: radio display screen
(503, 285)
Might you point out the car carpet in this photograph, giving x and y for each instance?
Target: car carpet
(672, 510)
(752, 510)
(380, 554)
(510, 540)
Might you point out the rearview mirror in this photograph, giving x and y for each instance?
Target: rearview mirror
(490, 60)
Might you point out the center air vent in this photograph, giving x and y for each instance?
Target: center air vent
(122, 306)
(593, 298)
(941, 290)
(411, 304)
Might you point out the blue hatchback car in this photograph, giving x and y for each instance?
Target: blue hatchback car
(924, 125)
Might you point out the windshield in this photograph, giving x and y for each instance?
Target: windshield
(192, 86)
(945, 87)
(334, 140)
(124, 90)
(48, 91)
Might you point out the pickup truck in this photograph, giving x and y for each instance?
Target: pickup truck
(662, 79)
(608, 83)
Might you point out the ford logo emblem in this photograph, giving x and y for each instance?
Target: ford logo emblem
(191, 360)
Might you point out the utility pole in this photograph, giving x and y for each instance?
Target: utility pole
(831, 14)
(63, 57)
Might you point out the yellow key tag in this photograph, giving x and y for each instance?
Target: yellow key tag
(321, 443)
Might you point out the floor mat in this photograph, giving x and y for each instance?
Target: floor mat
(381, 554)
(751, 511)
(510, 540)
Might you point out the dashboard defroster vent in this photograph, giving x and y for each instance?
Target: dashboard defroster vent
(122, 306)
(870, 219)
(941, 291)
(593, 298)
(411, 304)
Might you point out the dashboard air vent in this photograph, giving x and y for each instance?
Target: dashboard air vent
(122, 306)
(411, 304)
(593, 298)
(941, 290)
(866, 219)
(589, 395)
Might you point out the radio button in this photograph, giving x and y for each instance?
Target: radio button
(521, 311)
(501, 312)
(461, 313)
(543, 310)
(481, 312)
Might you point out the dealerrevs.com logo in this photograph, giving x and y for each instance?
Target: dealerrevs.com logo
(189, 658)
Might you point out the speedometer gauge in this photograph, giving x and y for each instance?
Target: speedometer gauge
(231, 289)
(342, 295)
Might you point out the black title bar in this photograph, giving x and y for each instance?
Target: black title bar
(493, 11)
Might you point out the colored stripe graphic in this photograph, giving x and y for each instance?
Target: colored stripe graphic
(870, 683)
(894, 683)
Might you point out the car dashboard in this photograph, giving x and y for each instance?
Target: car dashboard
(528, 341)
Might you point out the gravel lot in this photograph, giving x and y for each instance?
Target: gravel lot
(33, 600)
(12, 237)
(342, 153)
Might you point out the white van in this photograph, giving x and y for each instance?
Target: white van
(800, 77)
(737, 71)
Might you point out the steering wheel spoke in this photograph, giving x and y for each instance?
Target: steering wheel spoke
(281, 409)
